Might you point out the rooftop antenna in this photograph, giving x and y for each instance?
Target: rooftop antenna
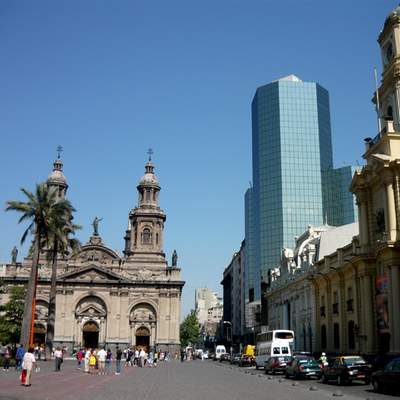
(378, 106)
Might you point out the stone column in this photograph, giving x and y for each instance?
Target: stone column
(342, 315)
(394, 317)
(367, 332)
(362, 218)
(152, 335)
(391, 228)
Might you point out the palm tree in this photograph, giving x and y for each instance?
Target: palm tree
(45, 211)
(60, 243)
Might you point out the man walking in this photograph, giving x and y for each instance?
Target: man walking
(28, 363)
(58, 357)
(118, 357)
(101, 356)
(142, 354)
(19, 356)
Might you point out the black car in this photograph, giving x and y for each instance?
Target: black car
(302, 366)
(387, 379)
(225, 357)
(345, 369)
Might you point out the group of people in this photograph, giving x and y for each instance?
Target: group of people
(98, 361)
(140, 358)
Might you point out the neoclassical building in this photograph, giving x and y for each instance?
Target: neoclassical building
(107, 298)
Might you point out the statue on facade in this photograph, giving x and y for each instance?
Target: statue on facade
(174, 258)
(95, 224)
(14, 254)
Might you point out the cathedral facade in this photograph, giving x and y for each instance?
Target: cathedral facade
(104, 298)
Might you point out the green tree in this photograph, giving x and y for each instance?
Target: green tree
(45, 212)
(11, 316)
(190, 329)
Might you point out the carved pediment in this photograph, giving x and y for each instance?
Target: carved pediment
(96, 253)
(92, 273)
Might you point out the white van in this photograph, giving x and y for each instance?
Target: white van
(219, 350)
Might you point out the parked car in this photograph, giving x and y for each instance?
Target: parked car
(346, 369)
(235, 359)
(388, 378)
(276, 364)
(225, 357)
(248, 357)
(220, 349)
(303, 366)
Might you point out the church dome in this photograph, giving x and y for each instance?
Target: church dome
(57, 176)
(149, 177)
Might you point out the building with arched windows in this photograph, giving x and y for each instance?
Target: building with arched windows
(104, 298)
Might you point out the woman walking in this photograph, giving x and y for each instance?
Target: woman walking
(108, 361)
(86, 360)
(28, 363)
(92, 362)
(7, 356)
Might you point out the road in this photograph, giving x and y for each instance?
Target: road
(194, 380)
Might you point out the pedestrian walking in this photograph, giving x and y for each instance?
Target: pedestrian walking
(92, 362)
(79, 357)
(155, 359)
(101, 357)
(28, 362)
(142, 354)
(86, 360)
(19, 356)
(6, 357)
(108, 361)
(136, 360)
(58, 358)
(118, 356)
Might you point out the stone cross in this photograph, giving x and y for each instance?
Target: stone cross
(59, 151)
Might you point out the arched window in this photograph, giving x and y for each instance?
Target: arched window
(156, 238)
(146, 236)
(323, 337)
(351, 335)
(336, 335)
(148, 194)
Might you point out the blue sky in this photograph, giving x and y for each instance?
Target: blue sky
(107, 80)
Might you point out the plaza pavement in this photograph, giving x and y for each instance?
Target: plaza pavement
(195, 380)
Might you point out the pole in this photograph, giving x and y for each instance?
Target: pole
(32, 327)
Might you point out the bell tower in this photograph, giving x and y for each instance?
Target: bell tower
(389, 90)
(144, 236)
(57, 179)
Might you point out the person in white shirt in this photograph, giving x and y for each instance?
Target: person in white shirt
(28, 363)
(58, 356)
(142, 355)
(101, 356)
(136, 359)
(87, 356)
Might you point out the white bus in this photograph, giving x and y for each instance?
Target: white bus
(278, 342)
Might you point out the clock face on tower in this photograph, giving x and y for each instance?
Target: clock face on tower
(389, 52)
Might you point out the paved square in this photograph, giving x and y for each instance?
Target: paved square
(194, 380)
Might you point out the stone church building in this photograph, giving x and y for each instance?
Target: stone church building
(104, 298)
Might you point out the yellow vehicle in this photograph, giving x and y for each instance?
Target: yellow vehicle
(249, 356)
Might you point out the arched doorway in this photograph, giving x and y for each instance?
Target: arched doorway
(90, 334)
(143, 339)
(91, 320)
(143, 324)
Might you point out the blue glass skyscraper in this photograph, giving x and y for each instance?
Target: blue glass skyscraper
(292, 145)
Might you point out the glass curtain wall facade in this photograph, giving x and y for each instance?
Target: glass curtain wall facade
(292, 144)
(340, 203)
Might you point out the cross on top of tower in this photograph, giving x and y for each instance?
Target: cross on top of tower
(150, 152)
(59, 151)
